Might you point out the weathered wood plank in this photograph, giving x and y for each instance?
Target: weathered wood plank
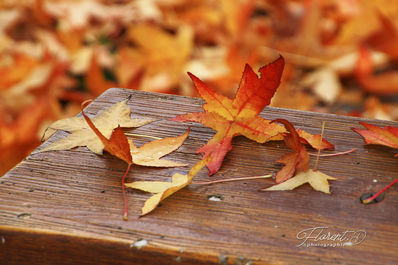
(66, 207)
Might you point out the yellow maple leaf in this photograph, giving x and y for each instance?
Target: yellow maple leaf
(317, 180)
(150, 153)
(82, 135)
(163, 189)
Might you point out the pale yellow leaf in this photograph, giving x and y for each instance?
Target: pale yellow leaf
(82, 135)
(317, 180)
(151, 186)
(325, 84)
(163, 190)
(78, 14)
(163, 65)
(8, 17)
(150, 153)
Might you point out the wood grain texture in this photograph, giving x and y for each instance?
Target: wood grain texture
(65, 207)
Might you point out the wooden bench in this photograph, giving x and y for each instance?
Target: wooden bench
(65, 207)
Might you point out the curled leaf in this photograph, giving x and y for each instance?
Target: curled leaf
(296, 161)
(163, 189)
(117, 144)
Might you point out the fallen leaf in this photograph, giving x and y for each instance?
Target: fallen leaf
(163, 66)
(8, 17)
(163, 189)
(296, 161)
(95, 79)
(317, 180)
(15, 68)
(365, 21)
(30, 78)
(374, 108)
(385, 83)
(81, 134)
(150, 153)
(385, 39)
(240, 115)
(387, 136)
(78, 14)
(129, 66)
(325, 84)
(19, 138)
(236, 15)
(118, 146)
(41, 14)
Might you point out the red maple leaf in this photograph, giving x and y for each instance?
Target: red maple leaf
(240, 116)
(387, 136)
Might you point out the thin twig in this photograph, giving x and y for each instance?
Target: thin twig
(143, 135)
(320, 144)
(230, 180)
(334, 154)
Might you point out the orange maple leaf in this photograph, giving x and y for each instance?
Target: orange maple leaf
(118, 146)
(387, 136)
(240, 116)
(385, 39)
(95, 80)
(383, 84)
(21, 67)
(295, 161)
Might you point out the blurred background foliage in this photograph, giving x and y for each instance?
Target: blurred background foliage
(341, 55)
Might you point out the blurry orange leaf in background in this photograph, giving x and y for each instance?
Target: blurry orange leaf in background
(385, 83)
(95, 80)
(14, 68)
(19, 137)
(385, 39)
(162, 54)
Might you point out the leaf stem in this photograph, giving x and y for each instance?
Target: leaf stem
(367, 201)
(143, 135)
(334, 154)
(230, 179)
(124, 193)
(320, 144)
